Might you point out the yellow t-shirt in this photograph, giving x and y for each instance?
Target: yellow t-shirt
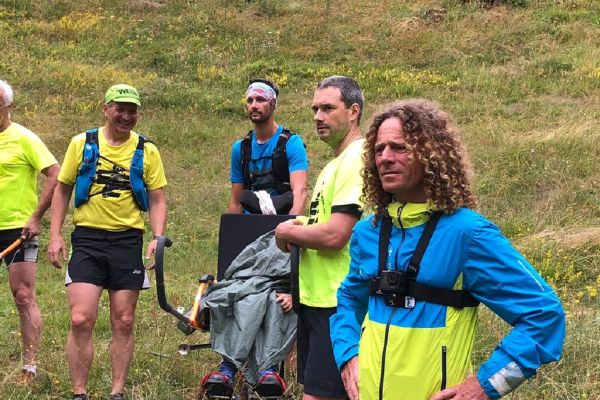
(338, 189)
(22, 156)
(111, 205)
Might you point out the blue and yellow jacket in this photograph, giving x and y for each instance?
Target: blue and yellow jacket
(411, 354)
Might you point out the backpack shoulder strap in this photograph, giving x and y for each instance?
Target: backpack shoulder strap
(91, 149)
(281, 165)
(141, 141)
(246, 149)
(91, 136)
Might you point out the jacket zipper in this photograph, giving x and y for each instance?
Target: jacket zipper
(385, 341)
(444, 355)
(389, 321)
(403, 232)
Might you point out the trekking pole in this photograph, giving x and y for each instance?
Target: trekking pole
(13, 246)
(204, 282)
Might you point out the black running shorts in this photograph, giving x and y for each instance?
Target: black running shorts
(27, 252)
(317, 370)
(112, 260)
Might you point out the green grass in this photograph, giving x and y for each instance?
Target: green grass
(522, 79)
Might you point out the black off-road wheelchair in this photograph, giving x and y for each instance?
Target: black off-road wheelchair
(236, 231)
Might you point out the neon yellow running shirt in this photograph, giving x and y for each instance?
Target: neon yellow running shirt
(338, 189)
(22, 156)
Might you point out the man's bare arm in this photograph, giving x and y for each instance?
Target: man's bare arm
(157, 209)
(236, 196)
(332, 235)
(298, 183)
(33, 226)
(58, 212)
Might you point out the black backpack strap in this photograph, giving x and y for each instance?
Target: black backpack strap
(246, 149)
(281, 165)
(384, 241)
(447, 297)
(432, 294)
(413, 265)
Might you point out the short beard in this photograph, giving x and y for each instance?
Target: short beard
(258, 120)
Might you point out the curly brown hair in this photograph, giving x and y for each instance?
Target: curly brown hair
(433, 140)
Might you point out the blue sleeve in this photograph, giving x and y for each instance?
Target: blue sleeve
(236, 175)
(502, 279)
(296, 153)
(352, 306)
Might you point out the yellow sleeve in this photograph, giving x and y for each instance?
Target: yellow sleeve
(70, 165)
(348, 181)
(38, 154)
(154, 172)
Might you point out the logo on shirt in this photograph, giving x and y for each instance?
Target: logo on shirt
(313, 212)
(112, 181)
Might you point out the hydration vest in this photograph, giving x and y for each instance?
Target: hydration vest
(279, 165)
(89, 163)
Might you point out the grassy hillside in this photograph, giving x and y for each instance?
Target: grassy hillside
(522, 79)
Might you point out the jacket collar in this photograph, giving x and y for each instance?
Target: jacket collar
(408, 215)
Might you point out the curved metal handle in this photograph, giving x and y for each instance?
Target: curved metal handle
(295, 276)
(162, 242)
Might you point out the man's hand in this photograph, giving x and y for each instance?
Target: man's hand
(32, 228)
(282, 234)
(285, 301)
(56, 248)
(350, 378)
(150, 252)
(470, 389)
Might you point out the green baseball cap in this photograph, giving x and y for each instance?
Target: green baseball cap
(123, 94)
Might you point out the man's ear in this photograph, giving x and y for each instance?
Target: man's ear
(354, 112)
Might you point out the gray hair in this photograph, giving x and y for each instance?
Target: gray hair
(7, 93)
(351, 93)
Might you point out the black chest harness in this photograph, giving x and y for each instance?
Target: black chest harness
(400, 288)
(279, 165)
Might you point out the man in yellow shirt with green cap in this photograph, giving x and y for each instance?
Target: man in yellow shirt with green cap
(116, 175)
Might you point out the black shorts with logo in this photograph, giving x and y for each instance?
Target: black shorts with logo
(27, 252)
(317, 369)
(112, 260)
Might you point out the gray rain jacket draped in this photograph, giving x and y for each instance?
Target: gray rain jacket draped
(247, 325)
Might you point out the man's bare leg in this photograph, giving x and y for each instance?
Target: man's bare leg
(21, 277)
(83, 303)
(122, 319)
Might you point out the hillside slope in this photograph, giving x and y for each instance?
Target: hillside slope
(523, 82)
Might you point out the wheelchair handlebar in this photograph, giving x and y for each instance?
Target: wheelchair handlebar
(294, 276)
(162, 242)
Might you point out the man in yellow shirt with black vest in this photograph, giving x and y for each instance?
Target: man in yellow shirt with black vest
(334, 209)
(22, 157)
(116, 175)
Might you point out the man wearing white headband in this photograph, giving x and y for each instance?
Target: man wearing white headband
(270, 157)
(269, 161)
